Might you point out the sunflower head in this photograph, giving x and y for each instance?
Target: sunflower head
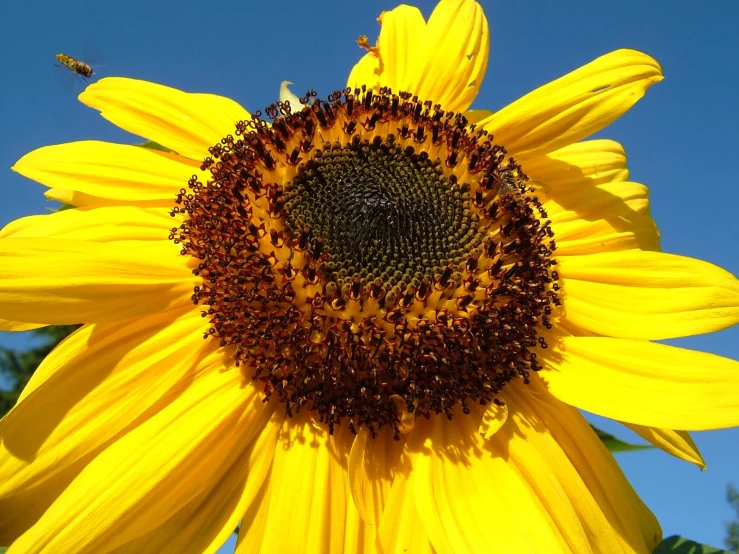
(366, 260)
(370, 257)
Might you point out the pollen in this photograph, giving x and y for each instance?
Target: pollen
(370, 258)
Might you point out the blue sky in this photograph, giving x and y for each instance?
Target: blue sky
(681, 138)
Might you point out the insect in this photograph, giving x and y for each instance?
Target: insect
(80, 68)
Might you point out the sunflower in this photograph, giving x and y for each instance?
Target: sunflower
(363, 323)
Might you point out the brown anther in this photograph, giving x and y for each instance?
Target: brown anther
(303, 239)
(465, 301)
(445, 277)
(275, 237)
(356, 289)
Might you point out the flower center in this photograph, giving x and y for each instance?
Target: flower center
(378, 211)
(370, 258)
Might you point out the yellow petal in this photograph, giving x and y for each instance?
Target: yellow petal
(399, 45)
(621, 200)
(109, 173)
(610, 234)
(475, 116)
(606, 484)
(59, 281)
(648, 295)
(452, 58)
(574, 106)
(678, 443)
(359, 537)
(587, 163)
(21, 511)
(306, 504)
(187, 123)
(493, 418)
(372, 466)
(644, 383)
(466, 494)
(88, 391)
(591, 208)
(205, 523)
(604, 218)
(254, 522)
(108, 224)
(604, 509)
(365, 72)
(522, 490)
(51, 364)
(149, 474)
(7, 325)
(82, 200)
(401, 529)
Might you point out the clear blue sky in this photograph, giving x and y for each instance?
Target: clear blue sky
(682, 139)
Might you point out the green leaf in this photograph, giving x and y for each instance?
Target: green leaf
(616, 445)
(679, 545)
(150, 144)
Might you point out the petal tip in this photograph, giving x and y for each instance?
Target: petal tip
(85, 96)
(91, 92)
(22, 163)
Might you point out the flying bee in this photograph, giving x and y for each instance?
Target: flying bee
(78, 67)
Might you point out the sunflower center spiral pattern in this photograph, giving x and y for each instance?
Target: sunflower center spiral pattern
(370, 258)
(380, 212)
